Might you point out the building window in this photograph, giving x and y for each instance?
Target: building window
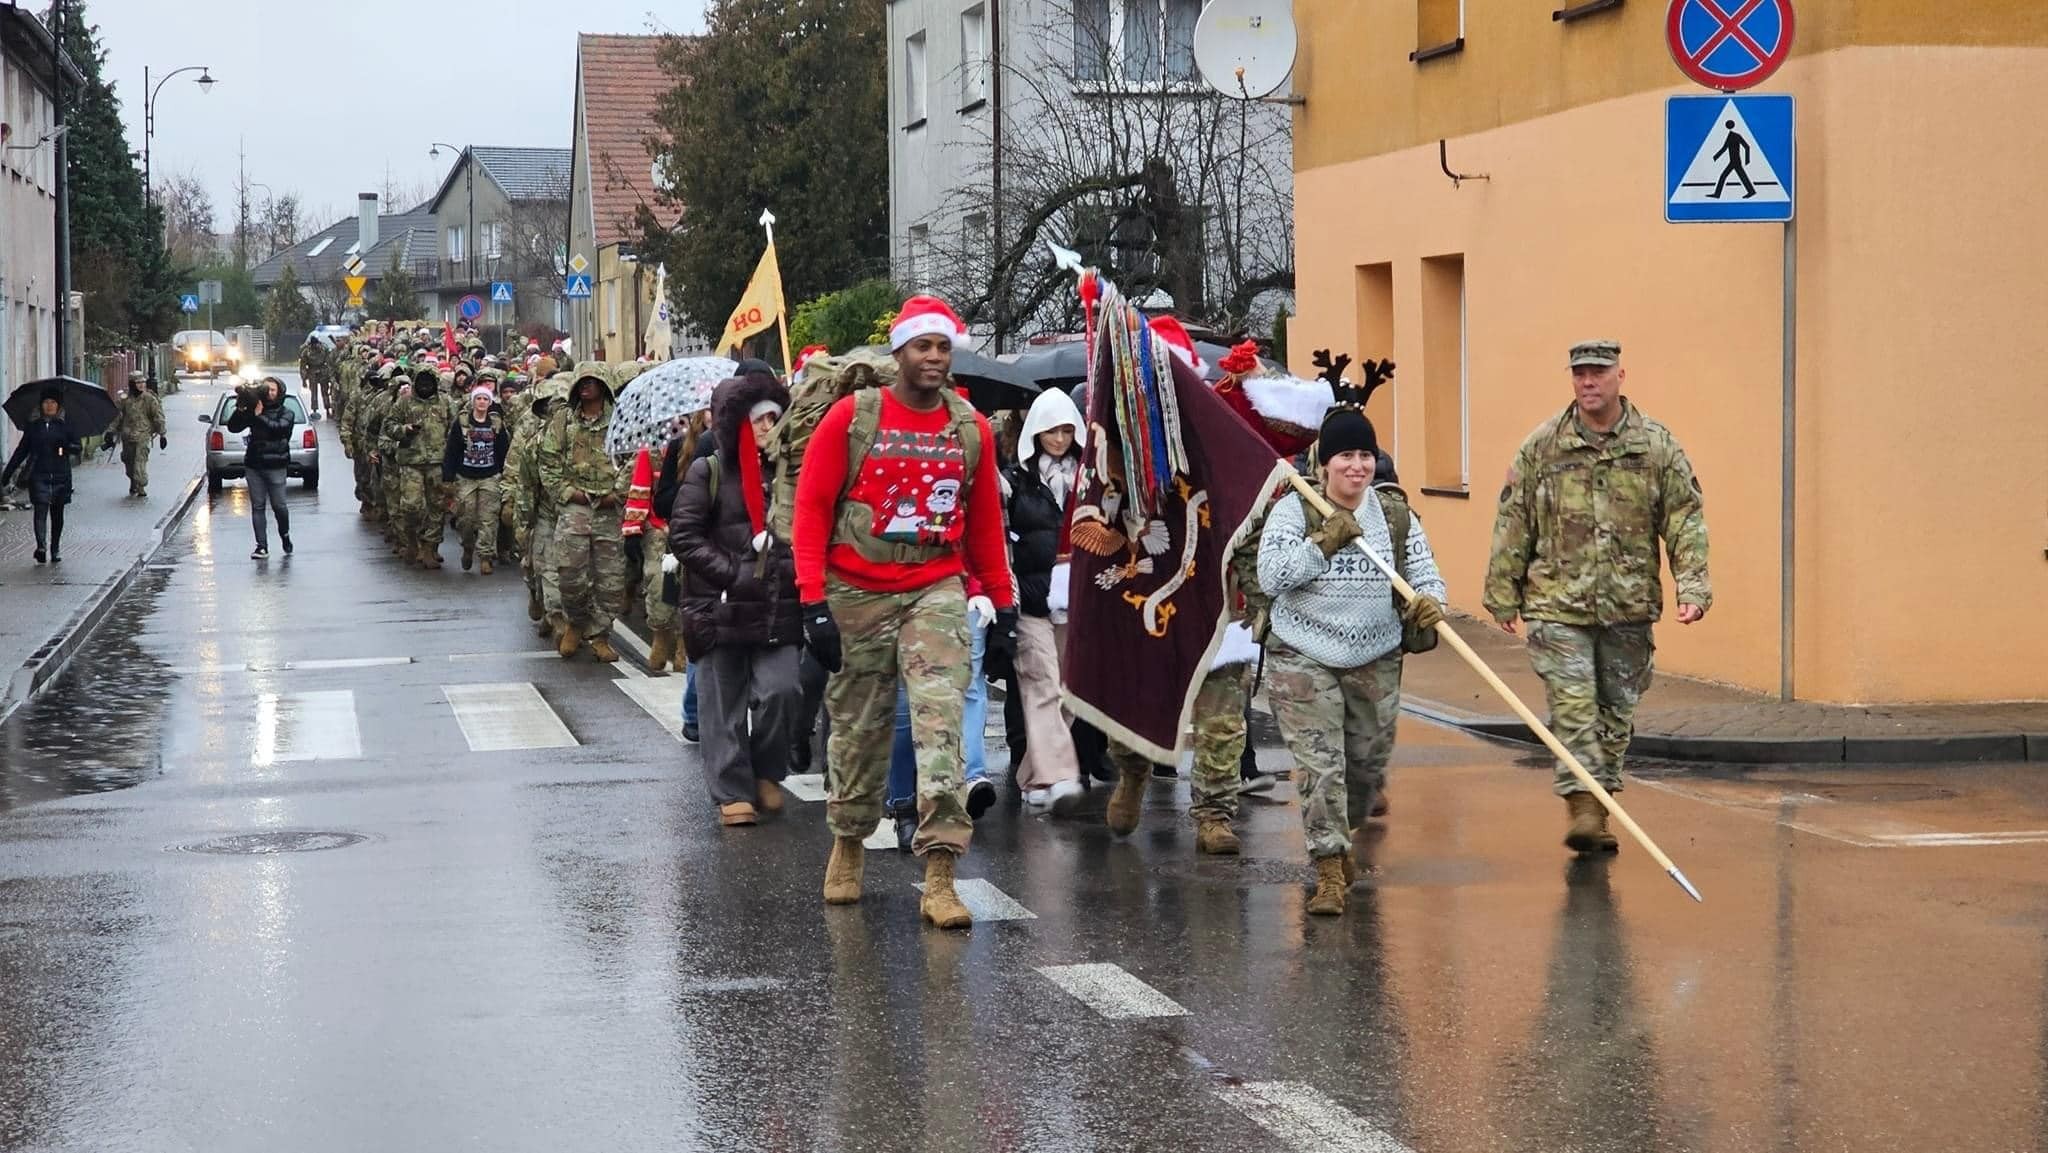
(611, 308)
(974, 57)
(1439, 28)
(1375, 323)
(974, 235)
(1135, 43)
(914, 81)
(1446, 382)
(493, 239)
(917, 256)
(322, 247)
(455, 238)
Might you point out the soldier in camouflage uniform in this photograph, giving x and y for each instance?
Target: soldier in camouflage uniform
(415, 435)
(589, 553)
(141, 420)
(1591, 492)
(533, 509)
(367, 420)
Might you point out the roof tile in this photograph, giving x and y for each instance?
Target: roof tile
(622, 87)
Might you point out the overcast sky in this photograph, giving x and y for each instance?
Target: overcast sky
(325, 96)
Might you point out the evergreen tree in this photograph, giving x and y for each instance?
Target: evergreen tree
(780, 104)
(130, 286)
(393, 298)
(287, 314)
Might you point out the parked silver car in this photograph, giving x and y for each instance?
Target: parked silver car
(225, 450)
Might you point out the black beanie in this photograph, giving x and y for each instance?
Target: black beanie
(1343, 430)
(53, 392)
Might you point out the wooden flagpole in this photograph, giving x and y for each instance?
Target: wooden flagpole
(781, 300)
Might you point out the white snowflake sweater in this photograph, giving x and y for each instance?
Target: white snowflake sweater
(1339, 612)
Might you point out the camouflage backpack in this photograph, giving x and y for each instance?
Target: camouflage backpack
(825, 380)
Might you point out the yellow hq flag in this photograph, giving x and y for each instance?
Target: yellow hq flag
(759, 306)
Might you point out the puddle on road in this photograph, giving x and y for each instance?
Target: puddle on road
(99, 727)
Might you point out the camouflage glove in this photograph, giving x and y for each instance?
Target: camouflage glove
(1339, 528)
(1423, 612)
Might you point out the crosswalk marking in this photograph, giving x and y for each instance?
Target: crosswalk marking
(987, 902)
(314, 726)
(292, 666)
(511, 715)
(1306, 1120)
(1111, 991)
(805, 786)
(659, 697)
(522, 655)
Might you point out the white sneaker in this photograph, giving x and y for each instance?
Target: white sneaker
(1064, 797)
(1039, 798)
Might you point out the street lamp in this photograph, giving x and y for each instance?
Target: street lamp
(469, 186)
(205, 82)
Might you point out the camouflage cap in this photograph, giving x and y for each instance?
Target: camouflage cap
(1605, 353)
(137, 377)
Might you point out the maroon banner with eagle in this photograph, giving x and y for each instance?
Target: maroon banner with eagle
(1172, 478)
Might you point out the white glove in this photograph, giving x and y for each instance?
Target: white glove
(669, 563)
(981, 612)
(761, 542)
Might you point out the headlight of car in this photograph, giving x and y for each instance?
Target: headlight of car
(234, 353)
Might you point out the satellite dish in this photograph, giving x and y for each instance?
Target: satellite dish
(1245, 48)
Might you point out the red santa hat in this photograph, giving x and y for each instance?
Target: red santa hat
(1179, 342)
(927, 316)
(804, 358)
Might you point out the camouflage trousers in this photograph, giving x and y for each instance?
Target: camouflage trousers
(1593, 676)
(654, 546)
(422, 504)
(390, 489)
(542, 580)
(1339, 725)
(1219, 743)
(590, 563)
(135, 457)
(366, 480)
(922, 638)
(478, 504)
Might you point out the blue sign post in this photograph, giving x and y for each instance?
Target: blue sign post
(472, 306)
(578, 286)
(501, 292)
(1728, 159)
(188, 302)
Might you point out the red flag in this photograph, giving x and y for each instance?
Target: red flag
(1172, 479)
(448, 338)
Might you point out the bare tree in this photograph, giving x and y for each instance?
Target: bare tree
(188, 219)
(282, 223)
(1112, 145)
(535, 244)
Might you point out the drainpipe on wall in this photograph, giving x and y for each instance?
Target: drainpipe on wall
(995, 95)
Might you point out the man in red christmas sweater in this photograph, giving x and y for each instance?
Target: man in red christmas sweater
(897, 501)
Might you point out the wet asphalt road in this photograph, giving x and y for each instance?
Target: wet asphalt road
(550, 948)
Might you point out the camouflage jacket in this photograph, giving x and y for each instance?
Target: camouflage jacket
(142, 416)
(522, 468)
(366, 416)
(573, 459)
(1575, 538)
(416, 432)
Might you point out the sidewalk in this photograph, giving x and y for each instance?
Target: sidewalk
(1689, 720)
(47, 610)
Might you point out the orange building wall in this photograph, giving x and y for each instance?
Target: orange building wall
(1923, 419)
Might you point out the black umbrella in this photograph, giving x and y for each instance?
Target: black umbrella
(1065, 363)
(87, 407)
(993, 385)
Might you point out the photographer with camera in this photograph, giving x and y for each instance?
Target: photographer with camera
(261, 411)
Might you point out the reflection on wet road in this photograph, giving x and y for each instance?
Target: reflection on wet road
(317, 855)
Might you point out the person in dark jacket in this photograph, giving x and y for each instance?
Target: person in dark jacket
(472, 460)
(47, 449)
(1041, 491)
(739, 612)
(263, 413)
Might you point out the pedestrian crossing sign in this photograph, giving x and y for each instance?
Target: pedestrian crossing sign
(578, 287)
(1728, 159)
(501, 292)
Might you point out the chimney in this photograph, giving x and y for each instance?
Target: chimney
(366, 224)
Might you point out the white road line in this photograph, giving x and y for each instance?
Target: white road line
(626, 637)
(805, 786)
(1945, 840)
(1305, 1120)
(292, 666)
(1865, 838)
(511, 715)
(1110, 991)
(659, 697)
(316, 726)
(987, 902)
(522, 655)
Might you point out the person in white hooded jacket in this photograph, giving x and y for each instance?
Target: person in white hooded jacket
(1040, 488)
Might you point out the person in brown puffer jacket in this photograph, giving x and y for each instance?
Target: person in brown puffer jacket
(738, 612)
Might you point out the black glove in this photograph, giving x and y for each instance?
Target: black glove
(821, 635)
(163, 442)
(999, 652)
(636, 554)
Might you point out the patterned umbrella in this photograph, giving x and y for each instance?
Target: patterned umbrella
(653, 409)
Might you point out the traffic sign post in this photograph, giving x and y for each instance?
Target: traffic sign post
(501, 292)
(471, 307)
(1728, 159)
(354, 284)
(1729, 45)
(577, 287)
(188, 302)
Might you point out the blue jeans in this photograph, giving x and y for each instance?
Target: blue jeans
(973, 732)
(690, 695)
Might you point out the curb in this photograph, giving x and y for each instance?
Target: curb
(46, 662)
(1948, 748)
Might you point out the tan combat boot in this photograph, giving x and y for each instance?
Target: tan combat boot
(601, 648)
(550, 625)
(570, 642)
(1331, 887)
(1214, 837)
(1588, 822)
(484, 566)
(736, 813)
(661, 652)
(1127, 802)
(769, 794)
(842, 872)
(534, 609)
(941, 905)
